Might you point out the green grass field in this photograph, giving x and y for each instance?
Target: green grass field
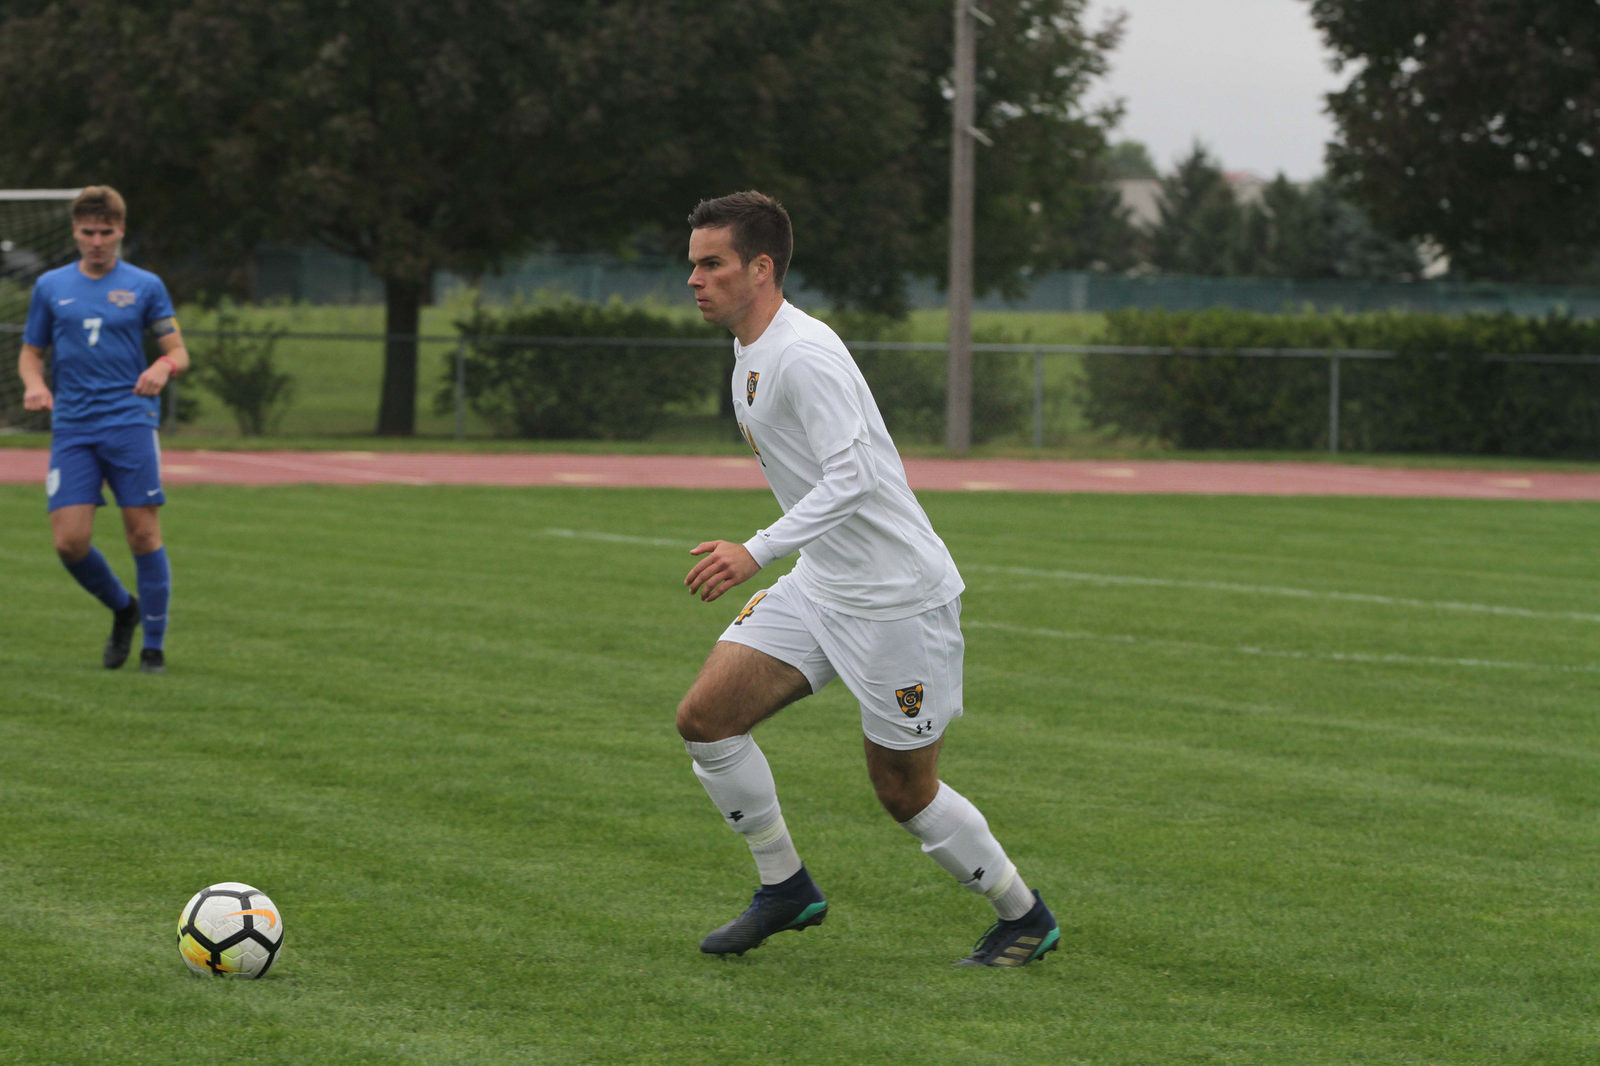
(1306, 781)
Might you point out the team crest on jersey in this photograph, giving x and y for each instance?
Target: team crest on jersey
(122, 297)
(750, 388)
(909, 699)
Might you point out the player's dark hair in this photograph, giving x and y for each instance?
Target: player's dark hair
(100, 201)
(759, 223)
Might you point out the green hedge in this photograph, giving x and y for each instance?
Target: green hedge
(910, 385)
(609, 392)
(1441, 394)
(622, 392)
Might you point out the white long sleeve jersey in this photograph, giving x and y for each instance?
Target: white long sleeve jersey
(866, 546)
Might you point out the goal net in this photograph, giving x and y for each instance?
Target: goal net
(35, 236)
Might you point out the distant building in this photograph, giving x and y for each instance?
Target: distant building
(1142, 198)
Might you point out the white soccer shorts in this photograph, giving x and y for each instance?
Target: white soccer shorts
(905, 673)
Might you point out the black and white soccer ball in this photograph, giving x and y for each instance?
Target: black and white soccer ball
(230, 930)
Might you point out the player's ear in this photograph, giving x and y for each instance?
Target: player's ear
(763, 265)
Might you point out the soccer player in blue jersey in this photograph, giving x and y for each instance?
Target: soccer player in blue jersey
(105, 411)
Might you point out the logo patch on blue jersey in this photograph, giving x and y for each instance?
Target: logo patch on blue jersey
(122, 297)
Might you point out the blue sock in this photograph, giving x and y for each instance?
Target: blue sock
(155, 589)
(94, 574)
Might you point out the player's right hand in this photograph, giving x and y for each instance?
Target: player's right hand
(725, 565)
(38, 399)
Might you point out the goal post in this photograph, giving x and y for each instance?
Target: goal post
(35, 236)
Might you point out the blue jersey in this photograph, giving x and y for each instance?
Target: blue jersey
(95, 327)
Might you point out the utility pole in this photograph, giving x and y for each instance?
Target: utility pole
(963, 132)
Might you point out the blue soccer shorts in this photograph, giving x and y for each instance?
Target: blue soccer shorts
(127, 458)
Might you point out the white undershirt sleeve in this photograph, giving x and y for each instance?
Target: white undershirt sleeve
(848, 479)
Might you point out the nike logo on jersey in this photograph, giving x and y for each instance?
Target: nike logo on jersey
(63, 303)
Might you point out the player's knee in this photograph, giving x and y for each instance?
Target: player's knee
(692, 720)
(143, 543)
(71, 549)
(904, 788)
(901, 799)
(703, 720)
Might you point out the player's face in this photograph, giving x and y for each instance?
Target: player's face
(724, 285)
(99, 241)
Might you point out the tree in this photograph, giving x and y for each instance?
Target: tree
(1311, 232)
(849, 125)
(1474, 124)
(1040, 189)
(1131, 159)
(1199, 230)
(416, 135)
(422, 135)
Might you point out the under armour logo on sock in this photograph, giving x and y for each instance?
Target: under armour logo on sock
(977, 874)
(734, 816)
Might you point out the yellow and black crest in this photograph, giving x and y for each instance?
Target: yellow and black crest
(750, 388)
(909, 699)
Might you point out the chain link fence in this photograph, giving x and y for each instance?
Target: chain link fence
(1028, 395)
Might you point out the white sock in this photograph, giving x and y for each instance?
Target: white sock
(955, 835)
(773, 850)
(736, 776)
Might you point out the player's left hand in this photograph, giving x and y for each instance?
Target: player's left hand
(725, 565)
(152, 381)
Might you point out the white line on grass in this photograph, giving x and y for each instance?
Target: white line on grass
(1279, 590)
(1388, 658)
(1170, 583)
(619, 538)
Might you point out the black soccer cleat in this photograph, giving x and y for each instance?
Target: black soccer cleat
(152, 661)
(792, 904)
(1016, 942)
(123, 623)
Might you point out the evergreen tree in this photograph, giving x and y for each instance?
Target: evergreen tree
(1200, 228)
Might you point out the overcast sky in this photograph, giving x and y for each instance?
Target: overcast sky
(1245, 77)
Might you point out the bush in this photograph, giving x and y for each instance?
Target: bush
(1444, 392)
(540, 389)
(237, 368)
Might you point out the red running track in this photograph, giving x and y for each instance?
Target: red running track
(23, 465)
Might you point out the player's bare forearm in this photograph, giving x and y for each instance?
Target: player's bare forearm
(726, 564)
(173, 360)
(36, 395)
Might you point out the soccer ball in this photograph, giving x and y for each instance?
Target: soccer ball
(230, 930)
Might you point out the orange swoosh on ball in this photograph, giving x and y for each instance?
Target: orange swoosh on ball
(272, 919)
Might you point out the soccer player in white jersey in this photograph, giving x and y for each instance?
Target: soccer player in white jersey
(875, 599)
(91, 316)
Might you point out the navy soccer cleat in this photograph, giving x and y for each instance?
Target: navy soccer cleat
(1017, 942)
(152, 661)
(123, 623)
(792, 904)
